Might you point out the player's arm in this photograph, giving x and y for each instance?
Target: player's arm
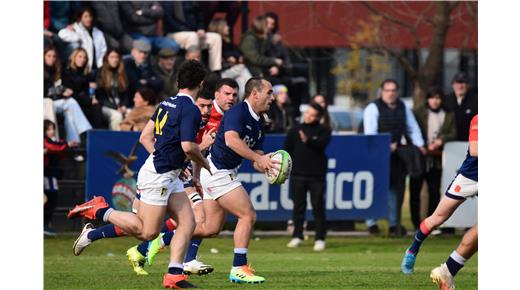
(261, 162)
(191, 149)
(473, 137)
(147, 137)
(473, 148)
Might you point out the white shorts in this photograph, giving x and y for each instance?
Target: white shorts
(221, 182)
(462, 187)
(155, 188)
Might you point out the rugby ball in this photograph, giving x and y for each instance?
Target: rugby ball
(280, 176)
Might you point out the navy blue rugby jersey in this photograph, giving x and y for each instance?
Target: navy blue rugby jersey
(176, 119)
(242, 119)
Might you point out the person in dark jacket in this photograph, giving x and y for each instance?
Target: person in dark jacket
(280, 113)
(306, 143)
(109, 21)
(165, 69)
(140, 19)
(463, 103)
(437, 127)
(139, 70)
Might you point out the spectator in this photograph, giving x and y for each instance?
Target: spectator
(252, 46)
(139, 71)
(275, 48)
(437, 127)
(49, 37)
(83, 34)
(108, 19)
(193, 53)
(231, 8)
(322, 101)
(306, 143)
(184, 23)
(165, 70)
(280, 113)
(61, 12)
(78, 78)
(233, 63)
(140, 18)
(54, 91)
(388, 114)
(112, 89)
(463, 104)
(52, 149)
(144, 100)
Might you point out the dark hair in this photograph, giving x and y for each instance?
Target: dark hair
(105, 74)
(273, 15)
(83, 10)
(435, 91)
(386, 81)
(259, 26)
(46, 124)
(226, 82)
(254, 83)
(207, 91)
(191, 74)
(318, 109)
(148, 95)
(313, 99)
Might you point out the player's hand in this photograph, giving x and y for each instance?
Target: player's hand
(265, 162)
(208, 138)
(185, 174)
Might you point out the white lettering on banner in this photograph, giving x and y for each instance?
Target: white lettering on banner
(361, 184)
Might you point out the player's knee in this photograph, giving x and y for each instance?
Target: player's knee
(149, 235)
(249, 217)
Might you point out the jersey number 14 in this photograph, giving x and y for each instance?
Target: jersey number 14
(159, 122)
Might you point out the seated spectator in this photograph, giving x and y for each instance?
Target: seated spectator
(184, 23)
(231, 8)
(144, 100)
(252, 46)
(165, 70)
(54, 91)
(275, 48)
(108, 19)
(112, 89)
(80, 80)
(233, 63)
(83, 34)
(140, 19)
(61, 12)
(325, 119)
(49, 37)
(139, 70)
(193, 53)
(53, 148)
(280, 113)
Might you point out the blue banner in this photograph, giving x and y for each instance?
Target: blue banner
(357, 178)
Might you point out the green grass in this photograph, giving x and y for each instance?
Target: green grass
(347, 263)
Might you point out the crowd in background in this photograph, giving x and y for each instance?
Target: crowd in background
(107, 65)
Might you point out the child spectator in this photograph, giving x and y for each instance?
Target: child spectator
(53, 148)
(83, 34)
(144, 100)
(112, 89)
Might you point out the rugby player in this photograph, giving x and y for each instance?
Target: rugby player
(464, 185)
(170, 135)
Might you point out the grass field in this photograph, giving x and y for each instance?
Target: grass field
(347, 263)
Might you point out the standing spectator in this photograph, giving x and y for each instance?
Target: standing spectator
(144, 108)
(83, 34)
(184, 23)
(322, 101)
(280, 113)
(165, 70)
(80, 80)
(306, 143)
(437, 127)
(388, 114)
(61, 97)
(108, 19)
(233, 63)
(231, 8)
(463, 104)
(140, 18)
(139, 71)
(52, 149)
(275, 47)
(112, 89)
(253, 48)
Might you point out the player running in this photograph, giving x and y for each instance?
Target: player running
(463, 186)
(174, 126)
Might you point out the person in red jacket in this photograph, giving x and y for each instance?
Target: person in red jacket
(53, 150)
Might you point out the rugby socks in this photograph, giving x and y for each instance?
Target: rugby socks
(103, 213)
(175, 268)
(421, 234)
(169, 225)
(106, 231)
(455, 262)
(192, 250)
(240, 258)
(167, 238)
(143, 248)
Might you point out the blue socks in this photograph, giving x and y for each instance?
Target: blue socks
(167, 238)
(421, 234)
(175, 269)
(106, 231)
(192, 250)
(240, 258)
(455, 262)
(143, 248)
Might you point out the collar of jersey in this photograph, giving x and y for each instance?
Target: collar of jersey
(186, 95)
(255, 116)
(219, 110)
